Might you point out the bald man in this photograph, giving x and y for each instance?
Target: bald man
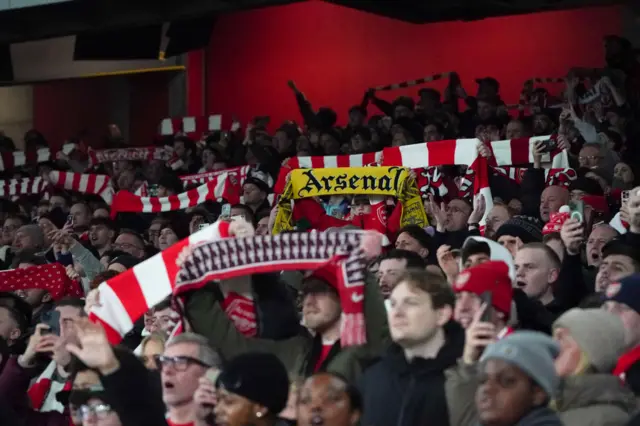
(552, 198)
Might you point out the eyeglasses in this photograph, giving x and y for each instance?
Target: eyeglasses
(178, 363)
(101, 411)
(590, 158)
(126, 246)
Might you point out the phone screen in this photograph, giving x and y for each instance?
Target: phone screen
(52, 319)
(577, 210)
(624, 197)
(487, 298)
(226, 210)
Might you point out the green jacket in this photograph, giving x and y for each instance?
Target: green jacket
(206, 317)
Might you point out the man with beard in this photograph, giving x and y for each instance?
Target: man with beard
(619, 260)
(393, 265)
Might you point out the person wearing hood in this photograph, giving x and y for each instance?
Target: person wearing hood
(591, 341)
(475, 250)
(406, 387)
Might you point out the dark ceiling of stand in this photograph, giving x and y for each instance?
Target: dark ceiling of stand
(425, 11)
(81, 16)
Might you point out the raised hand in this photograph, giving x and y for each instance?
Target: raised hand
(477, 337)
(94, 349)
(572, 235)
(447, 262)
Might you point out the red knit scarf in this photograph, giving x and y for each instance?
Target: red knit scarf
(51, 277)
(291, 251)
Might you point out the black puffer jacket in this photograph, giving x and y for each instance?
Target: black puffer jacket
(402, 393)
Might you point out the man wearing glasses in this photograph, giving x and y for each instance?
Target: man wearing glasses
(130, 242)
(185, 360)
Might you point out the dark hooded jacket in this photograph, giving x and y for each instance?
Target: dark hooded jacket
(399, 392)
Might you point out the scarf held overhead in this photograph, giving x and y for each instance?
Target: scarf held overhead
(221, 187)
(230, 258)
(126, 297)
(51, 277)
(389, 181)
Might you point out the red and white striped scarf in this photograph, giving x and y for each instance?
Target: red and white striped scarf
(464, 152)
(240, 172)
(39, 390)
(10, 160)
(221, 187)
(126, 297)
(24, 186)
(84, 183)
(561, 177)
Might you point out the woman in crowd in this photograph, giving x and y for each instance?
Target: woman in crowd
(517, 380)
(252, 390)
(328, 399)
(591, 341)
(150, 347)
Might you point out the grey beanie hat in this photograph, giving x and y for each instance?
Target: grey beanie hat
(532, 352)
(35, 232)
(600, 335)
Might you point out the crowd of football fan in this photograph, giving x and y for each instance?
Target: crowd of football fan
(533, 321)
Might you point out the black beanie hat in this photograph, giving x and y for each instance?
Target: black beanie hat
(260, 377)
(56, 216)
(589, 186)
(527, 228)
(125, 260)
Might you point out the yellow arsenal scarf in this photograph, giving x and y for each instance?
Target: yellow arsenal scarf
(393, 181)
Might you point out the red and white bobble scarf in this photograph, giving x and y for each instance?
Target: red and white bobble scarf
(51, 277)
(219, 188)
(126, 297)
(40, 389)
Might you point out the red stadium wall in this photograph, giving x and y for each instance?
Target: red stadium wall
(334, 54)
(62, 109)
